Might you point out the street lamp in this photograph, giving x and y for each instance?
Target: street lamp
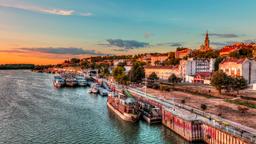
(145, 86)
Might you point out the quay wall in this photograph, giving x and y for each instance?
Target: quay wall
(193, 130)
(212, 135)
(189, 130)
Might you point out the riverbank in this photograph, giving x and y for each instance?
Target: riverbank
(184, 120)
(216, 106)
(17, 66)
(33, 111)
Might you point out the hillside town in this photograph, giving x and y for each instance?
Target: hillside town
(195, 66)
(218, 83)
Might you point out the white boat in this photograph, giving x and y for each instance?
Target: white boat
(94, 89)
(71, 82)
(81, 81)
(102, 91)
(58, 81)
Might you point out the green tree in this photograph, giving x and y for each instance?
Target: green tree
(239, 83)
(207, 54)
(219, 80)
(242, 53)
(217, 63)
(75, 61)
(119, 75)
(203, 107)
(172, 78)
(235, 54)
(171, 62)
(157, 63)
(137, 72)
(153, 76)
(103, 70)
(84, 64)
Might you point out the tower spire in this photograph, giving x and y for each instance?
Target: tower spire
(207, 41)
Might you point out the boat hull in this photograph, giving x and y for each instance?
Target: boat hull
(124, 116)
(152, 120)
(58, 85)
(71, 84)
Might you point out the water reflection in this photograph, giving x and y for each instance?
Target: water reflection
(33, 111)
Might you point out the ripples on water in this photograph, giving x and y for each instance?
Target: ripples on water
(33, 111)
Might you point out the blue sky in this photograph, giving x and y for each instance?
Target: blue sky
(88, 24)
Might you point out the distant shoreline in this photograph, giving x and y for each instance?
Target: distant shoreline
(17, 66)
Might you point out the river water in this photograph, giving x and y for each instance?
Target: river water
(33, 111)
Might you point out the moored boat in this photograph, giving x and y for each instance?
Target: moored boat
(58, 81)
(103, 92)
(71, 82)
(123, 106)
(81, 81)
(94, 89)
(150, 114)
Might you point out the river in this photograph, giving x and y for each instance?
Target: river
(33, 111)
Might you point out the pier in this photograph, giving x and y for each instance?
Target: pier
(195, 125)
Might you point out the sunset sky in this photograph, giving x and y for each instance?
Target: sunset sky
(49, 31)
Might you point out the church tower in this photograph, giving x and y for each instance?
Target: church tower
(206, 46)
(207, 41)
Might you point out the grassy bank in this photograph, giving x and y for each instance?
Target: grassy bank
(241, 102)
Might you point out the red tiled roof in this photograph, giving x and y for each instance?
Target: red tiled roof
(236, 46)
(204, 74)
(186, 50)
(228, 49)
(234, 60)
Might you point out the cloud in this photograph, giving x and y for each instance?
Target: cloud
(13, 51)
(70, 51)
(223, 35)
(126, 44)
(171, 44)
(120, 50)
(219, 43)
(33, 8)
(225, 43)
(58, 12)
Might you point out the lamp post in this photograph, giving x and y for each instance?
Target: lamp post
(145, 86)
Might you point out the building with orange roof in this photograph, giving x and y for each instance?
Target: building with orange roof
(182, 53)
(153, 59)
(234, 47)
(254, 51)
(240, 67)
(202, 77)
(163, 72)
(158, 59)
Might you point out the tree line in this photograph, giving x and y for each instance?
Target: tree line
(16, 66)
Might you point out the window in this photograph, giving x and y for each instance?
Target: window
(232, 72)
(238, 73)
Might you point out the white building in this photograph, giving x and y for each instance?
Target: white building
(189, 68)
(240, 67)
(163, 72)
